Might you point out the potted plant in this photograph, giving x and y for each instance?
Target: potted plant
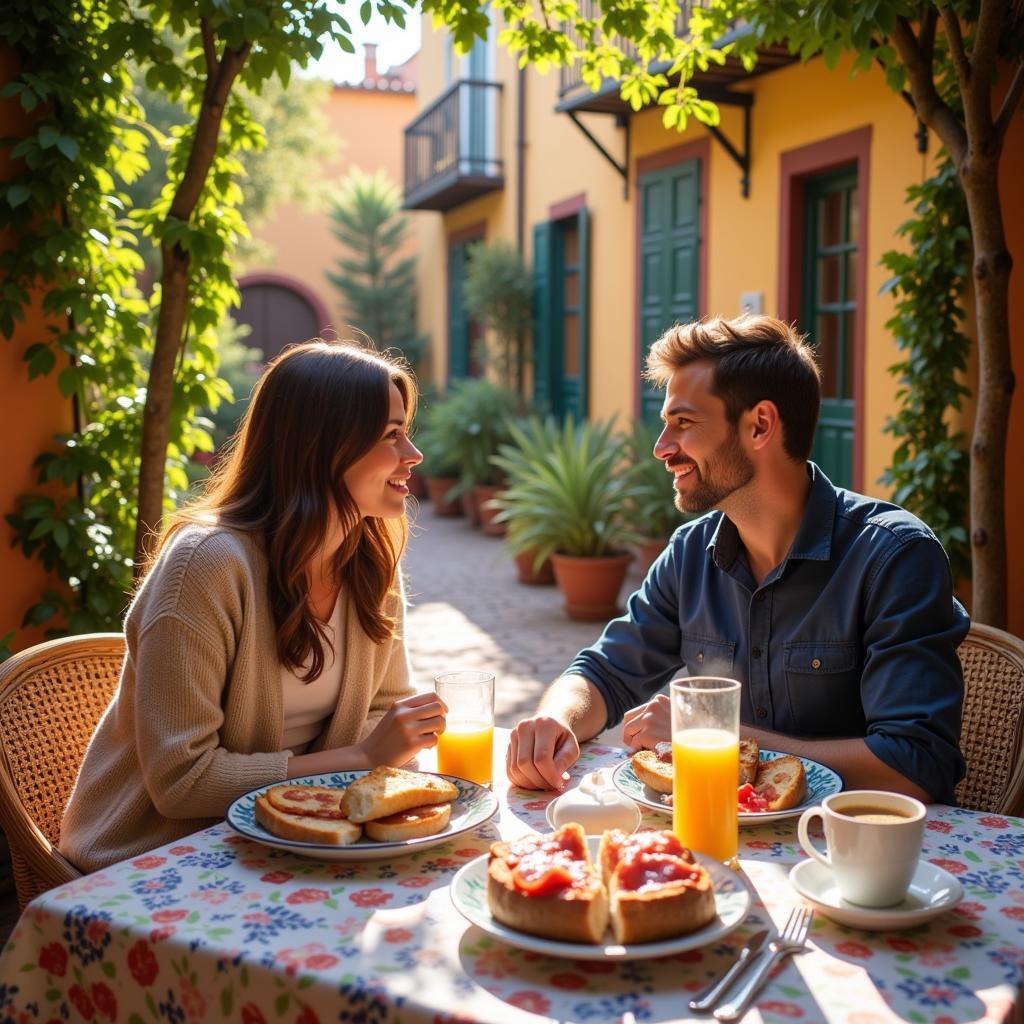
(568, 499)
(477, 416)
(653, 513)
(498, 292)
(440, 467)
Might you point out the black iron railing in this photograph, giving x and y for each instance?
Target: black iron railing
(456, 137)
(570, 78)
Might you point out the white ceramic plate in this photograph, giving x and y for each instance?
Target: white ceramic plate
(732, 900)
(472, 807)
(933, 891)
(822, 781)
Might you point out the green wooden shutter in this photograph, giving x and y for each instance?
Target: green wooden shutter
(584, 384)
(542, 240)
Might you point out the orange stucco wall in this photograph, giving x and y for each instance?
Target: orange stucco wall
(367, 125)
(32, 412)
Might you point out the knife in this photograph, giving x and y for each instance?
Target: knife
(747, 954)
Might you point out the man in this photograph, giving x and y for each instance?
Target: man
(835, 610)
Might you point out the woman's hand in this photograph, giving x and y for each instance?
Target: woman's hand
(409, 726)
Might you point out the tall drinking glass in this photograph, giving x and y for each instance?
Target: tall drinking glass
(466, 747)
(705, 764)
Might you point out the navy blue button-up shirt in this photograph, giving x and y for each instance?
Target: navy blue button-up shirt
(853, 634)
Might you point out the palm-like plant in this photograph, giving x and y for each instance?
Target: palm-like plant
(653, 513)
(567, 490)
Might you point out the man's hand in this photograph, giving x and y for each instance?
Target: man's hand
(539, 752)
(648, 724)
(410, 725)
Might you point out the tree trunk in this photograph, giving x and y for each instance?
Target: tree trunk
(992, 266)
(174, 281)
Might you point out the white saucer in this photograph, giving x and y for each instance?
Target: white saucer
(932, 891)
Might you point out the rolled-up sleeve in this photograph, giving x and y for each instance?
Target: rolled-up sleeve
(639, 652)
(912, 684)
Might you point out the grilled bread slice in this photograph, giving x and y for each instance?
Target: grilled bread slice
(782, 782)
(308, 801)
(750, 760)
(546, 885)
(304, 829)
(655, 888)
(413, 824)
(654, 767)
(386, 791)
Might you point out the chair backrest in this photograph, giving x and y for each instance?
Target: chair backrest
(992, 737)
(51, 699)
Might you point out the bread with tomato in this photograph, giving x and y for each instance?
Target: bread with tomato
(416, 823)
(656, 889)
(654, 767)
(304, 828)
(547, 885)
(782, 782)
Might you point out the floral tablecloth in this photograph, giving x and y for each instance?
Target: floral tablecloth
(216, 927)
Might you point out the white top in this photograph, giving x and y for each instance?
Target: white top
(307, 706)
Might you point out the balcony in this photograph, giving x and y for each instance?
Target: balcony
(575, 95)
(452, 149)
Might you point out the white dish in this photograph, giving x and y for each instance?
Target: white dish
(472, 807)
(732, 900)
(822, 781)
(623, 814)
(932, 891)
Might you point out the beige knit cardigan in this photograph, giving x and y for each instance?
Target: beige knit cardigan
(198, 716)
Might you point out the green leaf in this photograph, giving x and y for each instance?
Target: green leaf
(17, 194)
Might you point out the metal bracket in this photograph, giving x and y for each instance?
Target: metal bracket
(727, 98)
(622, 168)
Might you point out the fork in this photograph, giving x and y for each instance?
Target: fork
(792, 939)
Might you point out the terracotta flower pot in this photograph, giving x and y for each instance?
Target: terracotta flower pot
(591, 586)
(437, 488)
(524, 570)
(417, 485)
(647, 552)
(482, 493)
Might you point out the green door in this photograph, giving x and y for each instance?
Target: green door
(829, 312)
(463, 331)
(561, 302)
(669, 259)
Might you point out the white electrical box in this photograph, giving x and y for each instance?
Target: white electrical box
(751, 302)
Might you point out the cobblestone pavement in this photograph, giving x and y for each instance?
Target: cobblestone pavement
(467, 611)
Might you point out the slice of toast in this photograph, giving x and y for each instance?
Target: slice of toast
(652, 769)
(782, 782)
(750, 759)
(303, 829)
(308, 801)
(572, 908)
(413, 824)
(386, 791)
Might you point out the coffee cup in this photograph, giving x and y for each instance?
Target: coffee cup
(874, 843)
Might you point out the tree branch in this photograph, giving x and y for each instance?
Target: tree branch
(991, 17)
(209, 49)
(929, 105)
(961, 63)
(1010, 103)
(929, 19)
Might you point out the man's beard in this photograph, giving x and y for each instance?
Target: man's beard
(727, 470)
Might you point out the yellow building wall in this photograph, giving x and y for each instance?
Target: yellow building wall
(793, 107)
(368, 126)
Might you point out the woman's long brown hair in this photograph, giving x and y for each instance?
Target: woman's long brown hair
(318, 408)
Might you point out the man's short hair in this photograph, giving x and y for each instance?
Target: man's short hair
(755, 357)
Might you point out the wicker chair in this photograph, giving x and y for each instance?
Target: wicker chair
(51, 699)
(992, 737)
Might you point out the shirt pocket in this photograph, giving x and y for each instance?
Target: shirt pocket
(823, 687)
(707, 656)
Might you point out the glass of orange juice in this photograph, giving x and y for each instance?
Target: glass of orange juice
(705, 764)
(466, 747)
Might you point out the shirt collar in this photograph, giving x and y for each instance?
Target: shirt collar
(813, 540)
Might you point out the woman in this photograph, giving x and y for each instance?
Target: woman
(266, 640)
